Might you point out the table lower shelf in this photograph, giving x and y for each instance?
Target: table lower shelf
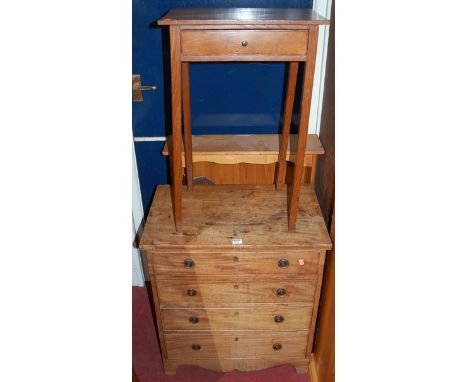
(253, 148)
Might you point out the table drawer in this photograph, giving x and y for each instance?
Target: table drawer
(244, 263)
(244, 42)
(255, 318)
(271, 345)
(200, 294)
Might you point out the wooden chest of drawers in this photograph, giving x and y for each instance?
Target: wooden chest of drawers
(234, 289)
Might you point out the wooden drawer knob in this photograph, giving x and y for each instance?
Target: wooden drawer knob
(188, 263)
(244, 43)
(191, 292)
(193, 319)
(283, 263)
(277, 347)
(281, 292)
(279, 319)
(197, 347)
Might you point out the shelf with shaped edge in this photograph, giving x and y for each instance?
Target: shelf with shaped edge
(249, 148)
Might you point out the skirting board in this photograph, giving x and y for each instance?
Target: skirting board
(313, 370)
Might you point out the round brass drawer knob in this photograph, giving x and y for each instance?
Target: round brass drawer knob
(277, 346)
(283, 263)
(188, 263)
(281, 292)
(193, 319)
(197, 347)
(244, 43)
(191, 292)
(279, 319)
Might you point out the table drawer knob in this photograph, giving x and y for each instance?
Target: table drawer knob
(244, 43)
(279, 319)
(281, 292)
(283, 263)
(196, 347)
(277, 346)
(188, 263)
(191, 292)
(193, 319)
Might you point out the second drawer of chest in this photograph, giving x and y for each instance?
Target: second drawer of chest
(255, 318)
(242, 263)
(196, 293)
(277, 345)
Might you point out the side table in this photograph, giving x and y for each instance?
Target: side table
(240, 34)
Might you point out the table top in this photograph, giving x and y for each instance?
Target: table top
(239, 16)
(215, 215)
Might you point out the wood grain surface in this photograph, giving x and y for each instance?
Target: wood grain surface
(239, 16)
(285, 136)
(251, 148)
(243, 173)
(240, 318)
(244, 42)
(217, 214)
(203, 263)
(236, 345)
(174, 293)
(187, 117)
(307, 85)
(176, 142)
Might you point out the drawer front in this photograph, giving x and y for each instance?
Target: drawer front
(257, 318)
(244, 42)
(193, 264)
(272, 345)
(200, 294)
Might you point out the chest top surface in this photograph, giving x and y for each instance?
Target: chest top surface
(239, 16)
(214, 216)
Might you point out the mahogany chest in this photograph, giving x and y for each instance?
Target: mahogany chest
(234, 289)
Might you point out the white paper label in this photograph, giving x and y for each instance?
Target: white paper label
(236, 241)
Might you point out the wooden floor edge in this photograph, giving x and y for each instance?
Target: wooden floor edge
(313, 370)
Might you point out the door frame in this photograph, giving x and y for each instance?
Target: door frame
(138, 278)
(323, 8)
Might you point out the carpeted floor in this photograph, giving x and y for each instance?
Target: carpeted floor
(147, 361)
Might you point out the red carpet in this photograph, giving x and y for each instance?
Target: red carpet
(147, 361)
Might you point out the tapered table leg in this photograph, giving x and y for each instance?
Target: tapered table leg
(287, 115)
(176, 154)
(186, 112)
(303, 126)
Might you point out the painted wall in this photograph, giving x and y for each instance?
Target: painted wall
(226, 97)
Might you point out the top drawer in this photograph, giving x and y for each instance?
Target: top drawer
(299, 264)
(224, 43)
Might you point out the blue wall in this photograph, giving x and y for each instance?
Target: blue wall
(227, 98)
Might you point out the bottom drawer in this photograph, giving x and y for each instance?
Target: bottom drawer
(236, 345)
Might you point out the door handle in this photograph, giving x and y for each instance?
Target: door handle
(137, 88)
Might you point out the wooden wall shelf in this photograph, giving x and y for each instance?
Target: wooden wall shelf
(250, 148)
